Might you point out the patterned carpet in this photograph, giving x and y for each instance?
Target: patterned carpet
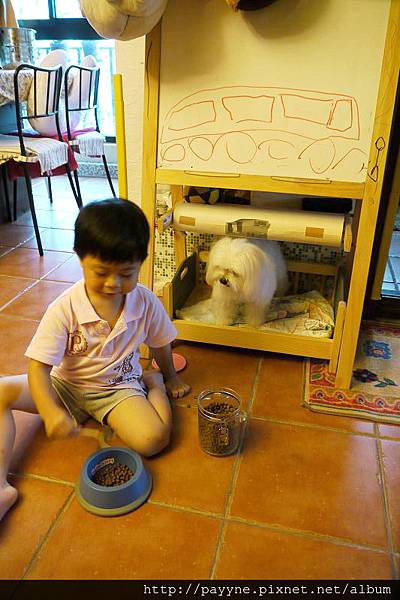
(375, 388)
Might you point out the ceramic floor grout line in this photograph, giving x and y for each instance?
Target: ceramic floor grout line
(310, 535)
(281, 529)
(7, 252)
(24, 475)
(55, 268)
(386, 506)
(188, 509)
(313, 426)
(218, 548)
(47, 535)
(234, 476)
(18, 318)
(234, 519)
(19, 294)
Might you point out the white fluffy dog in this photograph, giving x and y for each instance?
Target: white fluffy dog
(246, 272)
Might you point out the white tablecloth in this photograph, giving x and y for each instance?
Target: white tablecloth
(7, 85)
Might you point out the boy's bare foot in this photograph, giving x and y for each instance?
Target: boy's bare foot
(8, 497)
(176, 388)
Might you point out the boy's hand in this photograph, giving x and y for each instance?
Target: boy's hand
(176, 388)
(60, 424)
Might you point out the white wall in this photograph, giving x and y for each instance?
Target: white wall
(130, 63)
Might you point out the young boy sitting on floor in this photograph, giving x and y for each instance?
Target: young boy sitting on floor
(84, 356)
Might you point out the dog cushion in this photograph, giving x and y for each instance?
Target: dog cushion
(123, 19)
(45, 126)
(308, 314)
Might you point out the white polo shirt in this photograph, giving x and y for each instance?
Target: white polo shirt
(83, 349)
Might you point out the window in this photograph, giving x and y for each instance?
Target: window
(47, 9)
(67, 10)
(59, 24)
(35, 9)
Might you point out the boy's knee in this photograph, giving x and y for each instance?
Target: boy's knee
(156, 441)
(7, 392)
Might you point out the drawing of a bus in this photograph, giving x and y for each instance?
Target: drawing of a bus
(246, 124)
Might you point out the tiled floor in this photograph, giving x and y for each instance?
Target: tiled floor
(309, 497)
(391, 280)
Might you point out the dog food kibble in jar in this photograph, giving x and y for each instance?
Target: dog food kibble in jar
(220, 421)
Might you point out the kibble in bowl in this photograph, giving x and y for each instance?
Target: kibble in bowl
(113, 481)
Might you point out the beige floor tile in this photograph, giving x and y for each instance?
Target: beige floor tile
(186, 476)
(60, 459)
(54, 239)
(62, 201)
(255, 553)
(311, 479)
(34, 302)
(152, 542)
(15, 335)
(11, 286)
(69, 271)
(391, 460)
(53, 219)
(26, 261)
(216, 366)
(27, 523)
(11, 235)
(279, 396)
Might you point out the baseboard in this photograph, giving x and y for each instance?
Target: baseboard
(96, 169)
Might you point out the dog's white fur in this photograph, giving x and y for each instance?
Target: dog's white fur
(245, 271)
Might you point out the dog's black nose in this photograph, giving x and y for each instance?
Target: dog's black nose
(224, 281)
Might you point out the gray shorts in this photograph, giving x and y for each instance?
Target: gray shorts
(82, 405)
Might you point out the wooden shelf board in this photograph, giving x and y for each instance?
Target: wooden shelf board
(246, 337)
(281, 185)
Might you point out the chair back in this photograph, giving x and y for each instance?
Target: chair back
(44, 98)
(81, 89)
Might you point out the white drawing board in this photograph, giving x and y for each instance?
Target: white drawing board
(286, 91)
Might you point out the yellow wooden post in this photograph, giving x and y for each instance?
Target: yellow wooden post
(387, 233)
(150, 140)
(371, 199)
(120, 136)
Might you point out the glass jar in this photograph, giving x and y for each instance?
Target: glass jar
(220, 421)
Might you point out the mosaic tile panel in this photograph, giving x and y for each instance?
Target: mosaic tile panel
(164, 262)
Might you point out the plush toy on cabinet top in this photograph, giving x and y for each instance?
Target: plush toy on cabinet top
(123, 19)
(248, 4)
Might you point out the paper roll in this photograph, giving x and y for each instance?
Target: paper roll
(304, 227)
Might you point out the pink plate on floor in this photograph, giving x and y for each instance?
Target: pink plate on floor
(179, 362)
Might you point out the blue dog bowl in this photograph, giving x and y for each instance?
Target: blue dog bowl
(114, 500)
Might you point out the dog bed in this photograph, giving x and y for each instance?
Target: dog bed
(308, 314)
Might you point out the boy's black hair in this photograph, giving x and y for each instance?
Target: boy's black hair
(114, 230)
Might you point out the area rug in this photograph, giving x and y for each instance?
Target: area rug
(375, 386)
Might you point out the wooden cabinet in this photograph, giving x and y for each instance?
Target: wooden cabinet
(350, 289)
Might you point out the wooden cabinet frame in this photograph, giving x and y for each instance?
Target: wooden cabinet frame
(367, 196)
